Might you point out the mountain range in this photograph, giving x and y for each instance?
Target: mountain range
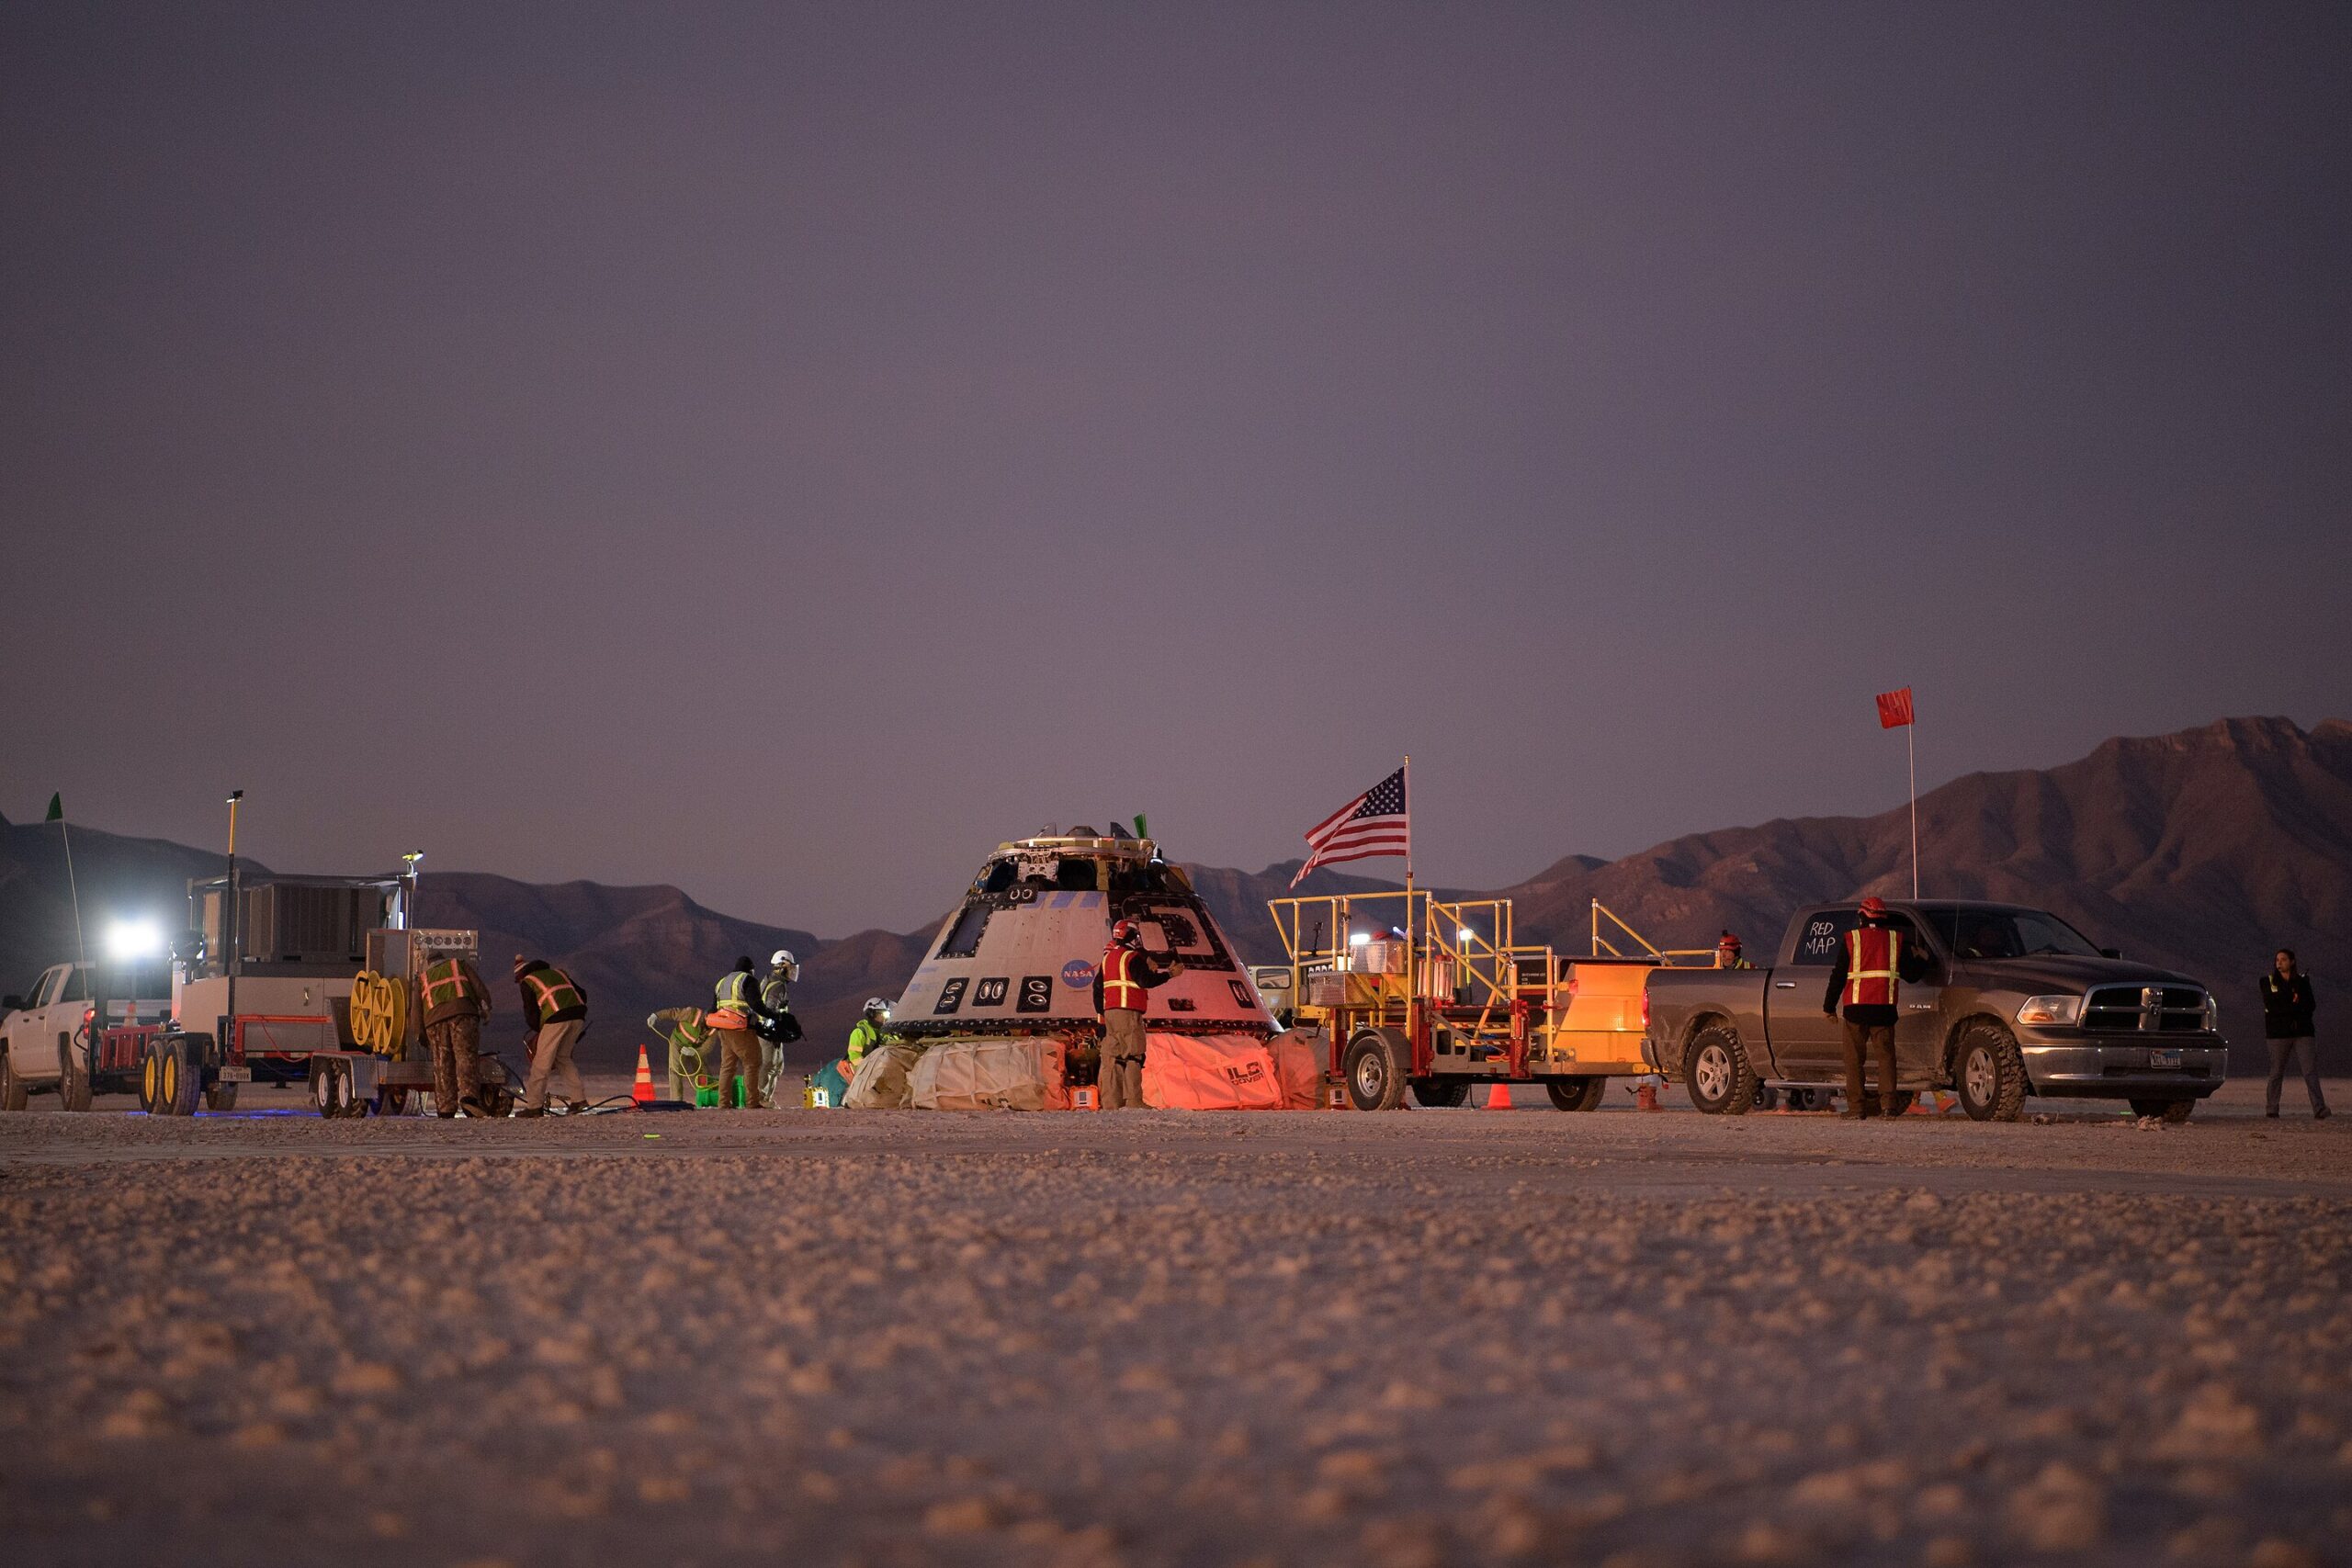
(2202, 850)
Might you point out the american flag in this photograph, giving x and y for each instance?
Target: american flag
(1374, 823)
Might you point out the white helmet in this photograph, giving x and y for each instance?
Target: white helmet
(876, 1004)
(782, 959)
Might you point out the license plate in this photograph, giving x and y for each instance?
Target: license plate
(2164, 1058)
(236, 1075)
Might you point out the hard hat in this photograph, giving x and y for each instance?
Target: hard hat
(1728, 941)
(1127, 933)
(782, 959)
(876, 1004)
(521, 964)
(1873, 909)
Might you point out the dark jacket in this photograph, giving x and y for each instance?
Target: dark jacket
(2287, 1006)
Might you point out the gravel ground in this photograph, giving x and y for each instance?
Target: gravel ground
(1416, 1338)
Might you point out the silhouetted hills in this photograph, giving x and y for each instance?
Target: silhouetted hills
(2201, 850)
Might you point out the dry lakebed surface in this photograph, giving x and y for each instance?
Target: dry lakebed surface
(1407, 1339)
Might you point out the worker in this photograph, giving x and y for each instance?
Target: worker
(1866, 980)
(1128, 976)
(453, 1001)
(774, 1023)
(1729, 955)
(865, 1034)
(735, 1017)
(689, 1040)
(555, 1010)
(2289, 1009)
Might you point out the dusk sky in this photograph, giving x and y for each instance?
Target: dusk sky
(784, 450)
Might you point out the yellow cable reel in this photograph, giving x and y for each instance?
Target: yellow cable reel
(379, 1013)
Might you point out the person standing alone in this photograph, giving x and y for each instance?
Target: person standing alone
(1865, 980)
(453, 1001)
(1129, 975)
(555, 1010)
(2288, 1008)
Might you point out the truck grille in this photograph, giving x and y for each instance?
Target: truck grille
(2170, 1010)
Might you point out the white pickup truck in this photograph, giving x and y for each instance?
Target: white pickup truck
(45, 1035)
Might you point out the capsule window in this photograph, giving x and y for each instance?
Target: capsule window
(963, 939)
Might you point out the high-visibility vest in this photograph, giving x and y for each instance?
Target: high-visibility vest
(862, 1037)
(1872, 953)
(735, 992)
(551, 991)
(1120, 987)
(449, 981)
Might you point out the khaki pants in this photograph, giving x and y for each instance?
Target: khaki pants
(455, 1044)
(1122, 1047)
(551, 1059)
(1876, 1040)
(740, 1058)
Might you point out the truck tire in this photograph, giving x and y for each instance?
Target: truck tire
(1577, 1094)
(151, 1081)
(1442, 1094)
(13, 1093)
(1988, 1073)
(219, 1096)
(2168, 1109)
(72, 1083)
(326, 1089)
(1717, 1073)
(1375, 1069)
(181, 1088)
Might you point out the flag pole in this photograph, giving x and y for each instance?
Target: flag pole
(81, 942)
(1911, 749)
(1412, 944)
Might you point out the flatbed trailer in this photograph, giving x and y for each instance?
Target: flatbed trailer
(1416, 993)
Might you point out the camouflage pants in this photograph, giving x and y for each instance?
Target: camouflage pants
(455, 1044)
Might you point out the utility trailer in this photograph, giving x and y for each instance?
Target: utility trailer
(1414, 992)
(287, 979)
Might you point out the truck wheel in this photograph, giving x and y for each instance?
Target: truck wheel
(326, 1089)
(1766, 1097)
(219, 1096)
(1716, 1071)
(2168, 1109)
(1375, 1069)
(1577, 1094)
(1991, 1075)
(1442, 1094)
(151, 1078)
(181, 1088)
(392, 1101)
(12, 1088)
(72, 1083)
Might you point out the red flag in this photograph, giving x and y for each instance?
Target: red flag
(1894, 709)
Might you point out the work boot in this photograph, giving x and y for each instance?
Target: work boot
(447, 1115)
(1853, 1115)
(528, 1111)
(474, 1108)
(576, 1108)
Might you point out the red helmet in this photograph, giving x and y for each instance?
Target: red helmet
(1729, 941)
(1127, 933)
(1873, 910)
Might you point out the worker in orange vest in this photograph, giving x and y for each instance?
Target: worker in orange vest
(1865, 981)
(1128, 976)
(453, 1002)
(555, 1010)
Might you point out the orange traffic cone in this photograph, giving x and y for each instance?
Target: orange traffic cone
(1645, 1096)
(642, 1091)
(1498, 1098)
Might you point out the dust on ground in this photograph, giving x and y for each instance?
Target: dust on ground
(1154, 1338)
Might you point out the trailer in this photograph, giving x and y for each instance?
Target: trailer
(289, 979)
(1412, 992)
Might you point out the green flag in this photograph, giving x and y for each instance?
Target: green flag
(56, 809)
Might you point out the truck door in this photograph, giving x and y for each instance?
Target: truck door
(1919, 1009)
(1805, 1045)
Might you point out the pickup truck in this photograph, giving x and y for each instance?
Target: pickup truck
(45, 1033)
(1998, 1002)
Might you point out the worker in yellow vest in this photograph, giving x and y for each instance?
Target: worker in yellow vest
(690, 1044)
(555, 1010)
(865, 1034)
(734, 1018)
(452, 1001)
(1127, 977)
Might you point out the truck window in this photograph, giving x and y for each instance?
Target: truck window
(76, 987)
(1817, 945)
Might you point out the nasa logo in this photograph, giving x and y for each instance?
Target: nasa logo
(1078, 974)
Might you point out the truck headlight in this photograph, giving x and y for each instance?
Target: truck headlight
(2051, 1010)
(2212, 1016)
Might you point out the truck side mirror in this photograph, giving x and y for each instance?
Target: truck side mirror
(11, 1002)
(2111, 953)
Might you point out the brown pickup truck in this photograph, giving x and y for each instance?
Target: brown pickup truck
(1999, 1002)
